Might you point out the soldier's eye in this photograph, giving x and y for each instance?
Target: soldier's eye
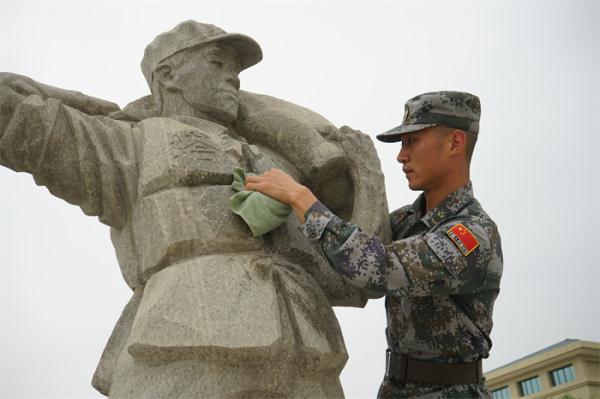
(217, 63)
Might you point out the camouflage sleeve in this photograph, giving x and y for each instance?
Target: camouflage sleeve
(415, 266)
(439, 263)
(361, 263)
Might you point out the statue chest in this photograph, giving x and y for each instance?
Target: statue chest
(184, 186)
(173, 154)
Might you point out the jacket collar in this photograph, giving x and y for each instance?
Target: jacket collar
(199, 123)
(451, 205)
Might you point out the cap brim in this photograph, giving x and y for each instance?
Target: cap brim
(247, 48)
(395, 134)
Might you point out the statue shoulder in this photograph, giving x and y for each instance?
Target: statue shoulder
(137, 110)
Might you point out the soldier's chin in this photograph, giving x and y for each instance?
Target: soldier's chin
(412, 184)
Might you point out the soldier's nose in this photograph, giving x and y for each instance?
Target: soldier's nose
(401, 157)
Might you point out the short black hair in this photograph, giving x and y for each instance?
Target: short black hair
(471, 141)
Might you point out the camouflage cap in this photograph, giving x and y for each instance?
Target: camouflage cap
(455, 109)
(190, 34)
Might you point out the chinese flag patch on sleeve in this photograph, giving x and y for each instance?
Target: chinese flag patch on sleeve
(463, 238)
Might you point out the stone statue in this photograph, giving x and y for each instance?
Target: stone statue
(216, 312)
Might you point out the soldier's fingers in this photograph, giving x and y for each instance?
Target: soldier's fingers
(272, 172)
(278, 175)
(253, 178)
(257, 185)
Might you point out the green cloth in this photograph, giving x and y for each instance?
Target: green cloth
(260, 212)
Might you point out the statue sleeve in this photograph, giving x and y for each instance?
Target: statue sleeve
(86, 160)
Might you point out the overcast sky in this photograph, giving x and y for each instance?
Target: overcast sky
(535, 67)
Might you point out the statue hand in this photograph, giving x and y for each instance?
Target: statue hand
(355, 141)
(25, 86)
(9, 100)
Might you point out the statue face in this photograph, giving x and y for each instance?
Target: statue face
(208, 81)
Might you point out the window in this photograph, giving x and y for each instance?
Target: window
(532, 385)
(562, 375)
(501, 393)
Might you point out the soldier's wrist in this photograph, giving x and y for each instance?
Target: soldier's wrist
(302, 200)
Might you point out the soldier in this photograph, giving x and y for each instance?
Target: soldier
(441, 272)
(216, 312)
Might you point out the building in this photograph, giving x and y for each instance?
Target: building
(569, 369)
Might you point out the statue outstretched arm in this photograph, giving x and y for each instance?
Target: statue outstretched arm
(64, 140)
(87, 104)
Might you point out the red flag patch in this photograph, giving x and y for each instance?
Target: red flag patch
(463, 238)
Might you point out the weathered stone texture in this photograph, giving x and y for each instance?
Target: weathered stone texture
(215, 311)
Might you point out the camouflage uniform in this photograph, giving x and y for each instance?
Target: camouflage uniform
(439, 291)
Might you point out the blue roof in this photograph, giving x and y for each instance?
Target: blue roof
(546, 349)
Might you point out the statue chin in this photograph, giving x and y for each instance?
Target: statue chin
(225, 114)
(222, 110)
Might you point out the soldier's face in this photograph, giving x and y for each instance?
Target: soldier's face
(209, 81)
(425, 158)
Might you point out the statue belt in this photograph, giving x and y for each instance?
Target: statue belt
(401, 368)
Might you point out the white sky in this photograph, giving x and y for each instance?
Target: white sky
(535, 67)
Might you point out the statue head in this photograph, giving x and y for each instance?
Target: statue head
(193, 70)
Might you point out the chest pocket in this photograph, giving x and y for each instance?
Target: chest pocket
(189, 147)
(174, 154)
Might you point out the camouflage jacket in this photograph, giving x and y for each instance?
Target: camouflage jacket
(440, 274)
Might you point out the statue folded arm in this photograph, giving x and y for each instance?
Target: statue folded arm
(340, 166)
(80, 155)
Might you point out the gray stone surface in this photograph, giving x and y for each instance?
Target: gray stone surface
(215, 312)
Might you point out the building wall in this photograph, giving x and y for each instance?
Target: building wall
(582, 355)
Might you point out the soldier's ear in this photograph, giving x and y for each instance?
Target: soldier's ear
(165, 76)
(458, 141)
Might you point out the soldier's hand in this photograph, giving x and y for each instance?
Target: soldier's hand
(279, 185)
(276, 184)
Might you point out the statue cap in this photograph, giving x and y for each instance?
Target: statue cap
(189, 34)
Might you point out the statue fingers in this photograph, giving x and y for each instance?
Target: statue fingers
(84, 103)
(20, 84)
(330, 132)
(355, 140)
(98, 106)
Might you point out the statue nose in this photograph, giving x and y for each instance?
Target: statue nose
(234, 81)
